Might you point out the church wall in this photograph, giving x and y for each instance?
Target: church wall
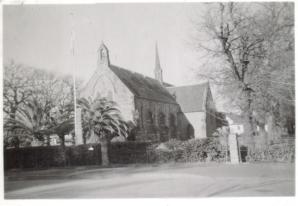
(198, 121)
(210, 115)
(186, 130)
(107, 84)
(104, 83)
(152, 129)
(210, 122)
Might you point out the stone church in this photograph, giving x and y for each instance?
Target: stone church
(162, 111)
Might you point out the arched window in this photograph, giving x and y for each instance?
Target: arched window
(163, 129)
(161, 119)
(172, 120)
(172, 126)
(149, 118)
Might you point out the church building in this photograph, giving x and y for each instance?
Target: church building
(162, 111)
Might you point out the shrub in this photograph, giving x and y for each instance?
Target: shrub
(203, 150)
(56, 156)
(128, 152)
(200, 150)
(274, 153)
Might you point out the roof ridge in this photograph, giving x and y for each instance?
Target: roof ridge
(143, 86)
(190, 85)
(130, 70)
(151, 78)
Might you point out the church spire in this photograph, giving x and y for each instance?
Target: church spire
(157, 70)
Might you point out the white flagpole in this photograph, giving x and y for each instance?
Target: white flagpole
(72, 47)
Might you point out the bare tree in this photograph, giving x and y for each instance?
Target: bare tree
(250, 41)
(17, 88)
(24, 85)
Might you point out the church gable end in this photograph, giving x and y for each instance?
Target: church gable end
(104, 83)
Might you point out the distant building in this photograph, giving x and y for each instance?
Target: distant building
(236, 123)
(163, 111)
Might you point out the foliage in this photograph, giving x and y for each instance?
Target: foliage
(18, 82)
(102, 117)
(61, 121)
(55, 156)
(28, 121)
(273, 153)
(193, 150)
(36, 104)
(251, 46)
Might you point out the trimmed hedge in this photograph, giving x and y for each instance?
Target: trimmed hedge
(56, 156)
(128, 152)
(51, 156)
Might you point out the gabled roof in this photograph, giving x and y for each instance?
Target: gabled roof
(190, 98)
(142, 86)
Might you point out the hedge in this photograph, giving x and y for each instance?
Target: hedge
(56, 156)
(129, 152)
(194, 150)
(273, 153)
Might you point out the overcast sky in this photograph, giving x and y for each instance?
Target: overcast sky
(40, 36)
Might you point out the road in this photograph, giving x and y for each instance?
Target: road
(151, 181)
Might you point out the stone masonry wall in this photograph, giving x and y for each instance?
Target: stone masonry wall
(158, 121)
(104, 83)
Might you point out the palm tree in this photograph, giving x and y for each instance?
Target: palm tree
(102, 118)
(29, 121)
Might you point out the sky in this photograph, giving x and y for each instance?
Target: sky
(40, 36)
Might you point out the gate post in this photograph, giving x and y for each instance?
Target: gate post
(234, 150)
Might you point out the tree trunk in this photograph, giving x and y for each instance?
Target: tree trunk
(272, 129)
(104, 151)
(250, 133)
(62, 139)
(263, 134)
(16, 142)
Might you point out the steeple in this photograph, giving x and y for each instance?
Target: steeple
(103, 55)
(157, 70)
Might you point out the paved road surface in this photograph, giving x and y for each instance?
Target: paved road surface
(171, 180)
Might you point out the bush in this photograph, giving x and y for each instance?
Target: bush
(273, 153)
(200, 150)
(56, 156)
(119, 153)
(128, 152)
(203, 150)
(81, 155)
